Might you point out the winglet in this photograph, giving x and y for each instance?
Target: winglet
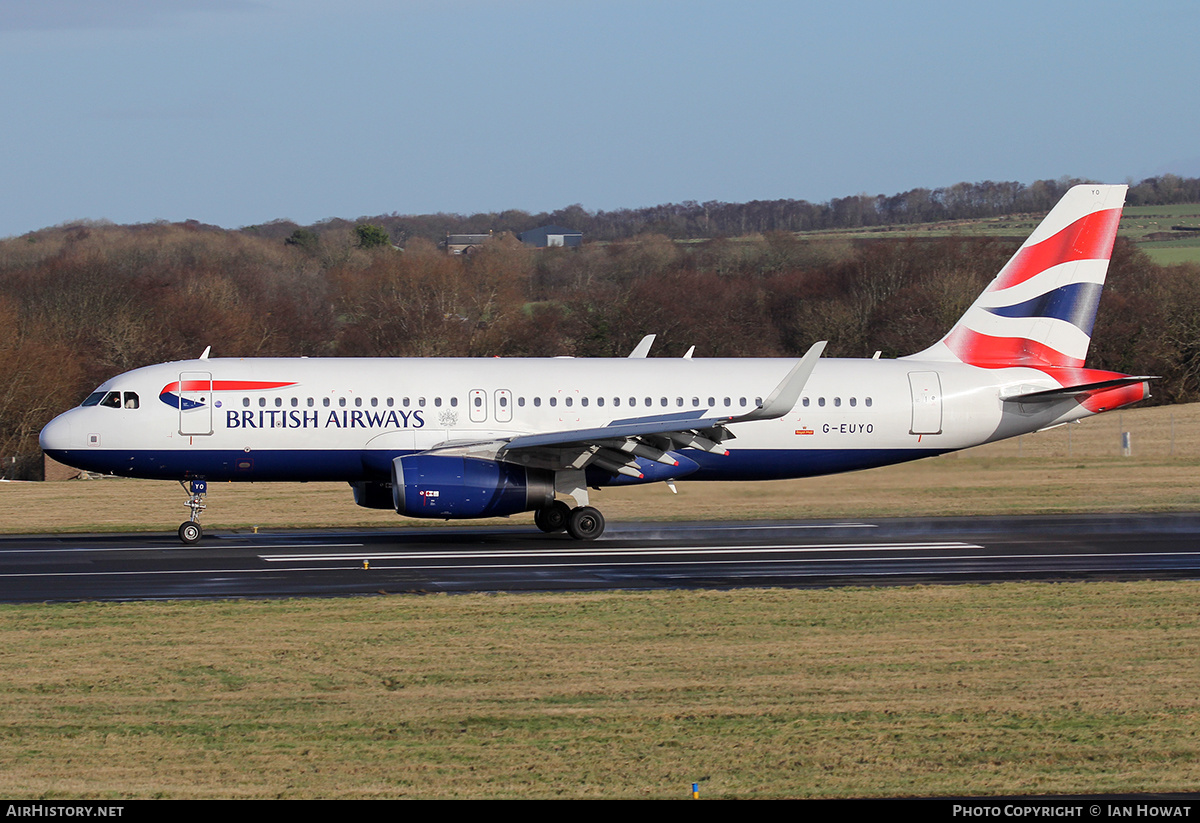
(643, 348)
(781, 401)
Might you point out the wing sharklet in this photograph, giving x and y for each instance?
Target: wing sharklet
(642, 349)
(784, 397)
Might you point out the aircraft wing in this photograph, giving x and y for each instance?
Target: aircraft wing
(616, 446)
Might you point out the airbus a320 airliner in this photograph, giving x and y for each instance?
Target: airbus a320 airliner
(467, 438)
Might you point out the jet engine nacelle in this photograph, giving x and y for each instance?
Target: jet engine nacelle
(449, 486)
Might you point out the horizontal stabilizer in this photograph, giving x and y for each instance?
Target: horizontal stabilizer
(1073, 392)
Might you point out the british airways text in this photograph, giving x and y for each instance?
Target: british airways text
(346, 419)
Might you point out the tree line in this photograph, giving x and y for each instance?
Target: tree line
(81, 303)
(693, 220)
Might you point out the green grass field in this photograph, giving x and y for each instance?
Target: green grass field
(1013, 688)
(1143, 224)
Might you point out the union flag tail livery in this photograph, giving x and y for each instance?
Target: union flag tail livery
(467, 438)
(1040, 309)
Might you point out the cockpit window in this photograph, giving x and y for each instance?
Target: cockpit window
(112, 399)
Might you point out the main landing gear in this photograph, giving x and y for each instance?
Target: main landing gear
(190, 531)
(581, 522)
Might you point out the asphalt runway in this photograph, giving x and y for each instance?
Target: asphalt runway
(629, 556)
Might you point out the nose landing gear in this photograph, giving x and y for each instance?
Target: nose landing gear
(190, 531)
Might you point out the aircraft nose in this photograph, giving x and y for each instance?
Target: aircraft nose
(57, 435)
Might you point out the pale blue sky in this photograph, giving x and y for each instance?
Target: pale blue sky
(236, 112)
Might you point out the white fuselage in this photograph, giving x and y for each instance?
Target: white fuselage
(346, 419)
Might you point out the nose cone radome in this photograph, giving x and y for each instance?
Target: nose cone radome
(57, 435)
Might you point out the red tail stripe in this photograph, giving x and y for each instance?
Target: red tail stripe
(1114, 398)
(1106, 398)
(1002, 352)
(1088, 238)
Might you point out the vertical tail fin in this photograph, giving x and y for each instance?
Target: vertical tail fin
(1040, 309)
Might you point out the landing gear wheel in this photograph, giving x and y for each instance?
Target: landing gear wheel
(553, 518)
(190, 532)
(585, 523)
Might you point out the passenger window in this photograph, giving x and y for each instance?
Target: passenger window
(278, 402)
(853, 402)
(295, 402)
(325, 402)
(358, 401)
(537, 402)
(821, 402)
(804, 402)
(374, 402)
(454, 401)
(867, 401)
(262, 401)
(342, 402)
(837, 402)
(553, 401)
(568, 401)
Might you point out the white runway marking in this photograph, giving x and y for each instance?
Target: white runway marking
(169, 547)
(600, 552)
(785, 526)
